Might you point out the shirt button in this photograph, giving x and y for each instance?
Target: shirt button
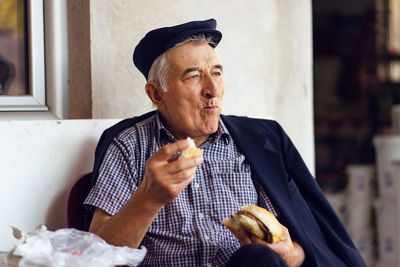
(206, 237)
(209, 265)
(201, 216)
(196, 185)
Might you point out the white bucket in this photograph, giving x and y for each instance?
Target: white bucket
(384, 264)
(359, 217)
(388, 157)
(360, 183)
(364, 243)
(387, 230)
(338, 202)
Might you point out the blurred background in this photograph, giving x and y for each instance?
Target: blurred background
(356, 48)
(13, 48)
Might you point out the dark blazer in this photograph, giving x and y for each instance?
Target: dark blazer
(288, 183)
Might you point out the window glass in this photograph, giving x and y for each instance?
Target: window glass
(13, 48)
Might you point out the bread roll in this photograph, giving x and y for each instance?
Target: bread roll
(257, 221)
(192, 150)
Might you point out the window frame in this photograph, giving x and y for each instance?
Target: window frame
(48, 65)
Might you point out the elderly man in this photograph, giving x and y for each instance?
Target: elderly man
(144, 194)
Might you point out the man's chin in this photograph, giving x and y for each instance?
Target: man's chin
(212, 127)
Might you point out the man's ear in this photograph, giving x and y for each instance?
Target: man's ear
(153, 92)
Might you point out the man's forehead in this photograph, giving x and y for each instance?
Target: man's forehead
(191, 69)
(193, 56)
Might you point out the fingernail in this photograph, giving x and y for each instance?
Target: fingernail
(185, 144)
(199, 160)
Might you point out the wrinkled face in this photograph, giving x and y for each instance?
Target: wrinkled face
(192, 104)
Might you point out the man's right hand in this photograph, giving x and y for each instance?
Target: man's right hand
(166, 176)
(291, 252)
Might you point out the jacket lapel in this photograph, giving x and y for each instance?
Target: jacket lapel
(266, 164)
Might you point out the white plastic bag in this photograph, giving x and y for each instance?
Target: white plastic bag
(71, 247)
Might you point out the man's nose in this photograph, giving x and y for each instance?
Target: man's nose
(212, 86)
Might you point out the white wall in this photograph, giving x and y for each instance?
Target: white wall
(40, 160)
(266, 51)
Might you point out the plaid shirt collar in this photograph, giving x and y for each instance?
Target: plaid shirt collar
(221, 133)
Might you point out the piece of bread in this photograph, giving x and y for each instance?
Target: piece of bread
(192, 150)
(257, 221)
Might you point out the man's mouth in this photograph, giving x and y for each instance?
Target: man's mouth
(211, 107)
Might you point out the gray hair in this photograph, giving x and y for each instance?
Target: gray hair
(160, 67)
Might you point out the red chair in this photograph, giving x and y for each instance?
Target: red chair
(77, 215)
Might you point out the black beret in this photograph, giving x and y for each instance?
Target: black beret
(160, 40)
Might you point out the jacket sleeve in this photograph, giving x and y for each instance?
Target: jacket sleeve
(330, 224)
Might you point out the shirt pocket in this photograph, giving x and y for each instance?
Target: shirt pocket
(174, 219)
(229, 192)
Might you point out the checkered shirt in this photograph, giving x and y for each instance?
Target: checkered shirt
(188, 230)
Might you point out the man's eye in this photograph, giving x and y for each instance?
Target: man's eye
(193, 77)
(216, 74)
